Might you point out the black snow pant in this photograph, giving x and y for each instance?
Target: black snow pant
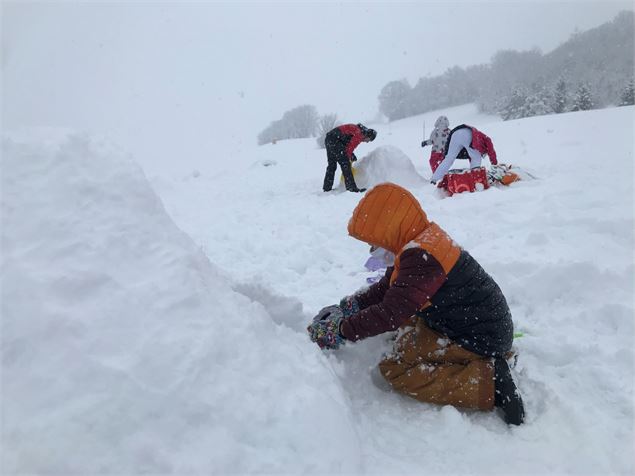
(336, 154)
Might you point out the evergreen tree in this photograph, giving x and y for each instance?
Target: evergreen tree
(538, 104)
(628, 95)
(582, 100)
(560, 97)
(394, 100)
(514, 106)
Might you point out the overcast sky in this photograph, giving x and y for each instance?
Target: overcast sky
(170, 80)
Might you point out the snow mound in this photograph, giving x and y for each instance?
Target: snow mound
(386, 164)
(124, 350)
(560, 247)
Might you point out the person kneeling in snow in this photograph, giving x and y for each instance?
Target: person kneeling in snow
(340, 143)
(455, 325)
(438, 140)
(465, 139)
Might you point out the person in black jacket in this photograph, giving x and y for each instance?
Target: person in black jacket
(340, 144)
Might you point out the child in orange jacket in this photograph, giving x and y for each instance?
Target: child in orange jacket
(456, 326)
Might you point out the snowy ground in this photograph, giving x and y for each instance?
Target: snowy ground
(159, 325)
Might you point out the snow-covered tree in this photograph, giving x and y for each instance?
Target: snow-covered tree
(538, 103)
(326, 123)
(560, 97)
(394, 100)
(297, 123)
(628, 95)
(271, 133)
(582, 100)
(509, 72)
(600, 57)
(301, 121)
(514, 106)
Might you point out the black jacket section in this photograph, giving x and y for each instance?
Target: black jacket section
(463, 154)
(471, 309)
(335, 138)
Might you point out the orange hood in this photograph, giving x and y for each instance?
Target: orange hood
(388, 216)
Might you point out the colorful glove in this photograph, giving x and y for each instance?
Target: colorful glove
(326, 311)
(326, 332)
(349, 306)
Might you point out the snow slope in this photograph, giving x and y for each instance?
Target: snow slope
(126, 351)
(186, 352)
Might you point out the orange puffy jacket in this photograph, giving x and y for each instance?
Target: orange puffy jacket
(432, 277)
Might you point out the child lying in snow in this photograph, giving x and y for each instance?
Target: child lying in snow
(455, 322)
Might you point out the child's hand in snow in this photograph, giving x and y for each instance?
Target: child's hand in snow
(325, 332)
(349, 306)
(326, 311)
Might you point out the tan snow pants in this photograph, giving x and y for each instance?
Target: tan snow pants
(429, 367)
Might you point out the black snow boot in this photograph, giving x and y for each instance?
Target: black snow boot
(356, 189)
(506, 395)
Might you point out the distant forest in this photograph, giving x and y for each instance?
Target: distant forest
(593, 69)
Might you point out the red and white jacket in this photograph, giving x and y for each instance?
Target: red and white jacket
(483, 144)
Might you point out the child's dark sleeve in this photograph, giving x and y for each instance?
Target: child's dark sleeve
(375, 293)
(420, 277)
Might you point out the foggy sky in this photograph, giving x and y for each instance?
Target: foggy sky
(187, 82)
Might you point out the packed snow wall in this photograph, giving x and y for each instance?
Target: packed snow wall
(124, 350)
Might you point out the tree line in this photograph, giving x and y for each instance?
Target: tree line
(593, 69)
(298, 123)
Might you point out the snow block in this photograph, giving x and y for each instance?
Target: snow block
(385, 164)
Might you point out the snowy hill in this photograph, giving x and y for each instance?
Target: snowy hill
(158, 325)
(126, 351)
